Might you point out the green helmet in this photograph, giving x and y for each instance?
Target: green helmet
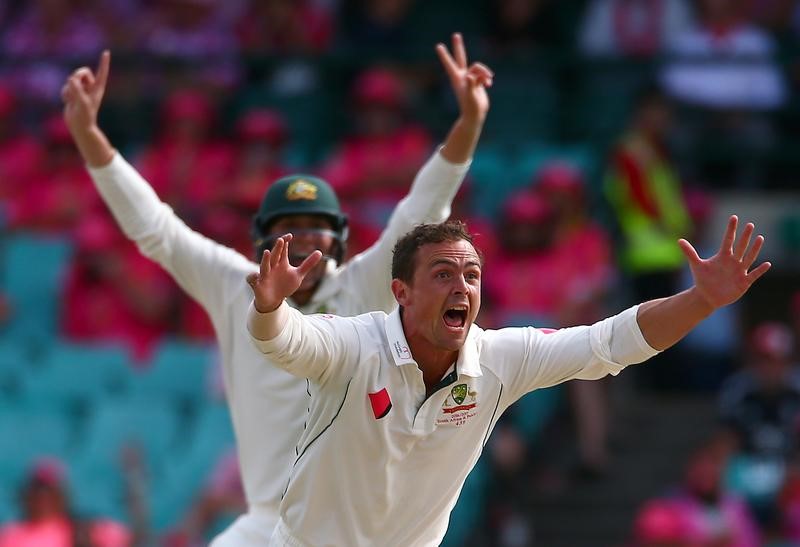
(299, 195)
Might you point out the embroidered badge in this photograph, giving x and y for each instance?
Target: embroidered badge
(301, 189)
(459, 406)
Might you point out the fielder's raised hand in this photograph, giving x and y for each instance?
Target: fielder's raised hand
(82, 94)
(469, 82)
(723, 278)
(277, 279)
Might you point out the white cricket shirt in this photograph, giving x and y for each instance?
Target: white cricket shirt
(268, 406)
(378, 464)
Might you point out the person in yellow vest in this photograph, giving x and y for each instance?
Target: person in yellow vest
(644, 190)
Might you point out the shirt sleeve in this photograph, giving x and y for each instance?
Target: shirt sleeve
(322, 348)
(530, 358)
(367, 276)
(202, 267)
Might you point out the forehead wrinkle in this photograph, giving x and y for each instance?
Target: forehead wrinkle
(454, 259)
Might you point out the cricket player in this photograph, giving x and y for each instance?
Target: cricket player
(268, 406)
(403, 404)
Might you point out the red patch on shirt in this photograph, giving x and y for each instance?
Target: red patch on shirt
(547, 331)
(452, 409)
(381, 403)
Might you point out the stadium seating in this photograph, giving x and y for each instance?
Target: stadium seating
(178, 371)
(74, 375)
(187, 471)
(31, 275)
(29, 434)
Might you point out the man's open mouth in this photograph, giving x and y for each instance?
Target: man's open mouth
(455, 317)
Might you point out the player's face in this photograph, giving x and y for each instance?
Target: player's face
(444, 297)
(310, 234)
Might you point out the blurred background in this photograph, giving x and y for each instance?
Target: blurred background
(616, 127)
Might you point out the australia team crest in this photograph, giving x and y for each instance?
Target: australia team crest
(459, 406)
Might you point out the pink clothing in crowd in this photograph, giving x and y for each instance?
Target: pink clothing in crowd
(20, 157)
(113, 293)
(371, 173)
(541, 284)
(695, 524)
(187, 175)
(58, 532)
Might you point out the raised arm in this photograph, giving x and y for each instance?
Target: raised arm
(469, 83)
(319, 348)
(82, 94)
(435, 185)
(718, 281)
(202, 267)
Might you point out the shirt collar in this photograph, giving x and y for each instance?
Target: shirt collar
(467, 363)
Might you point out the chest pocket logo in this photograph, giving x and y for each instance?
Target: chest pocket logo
(459, 406)
(459, 393)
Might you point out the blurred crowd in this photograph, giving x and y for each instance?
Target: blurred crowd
(668, 103)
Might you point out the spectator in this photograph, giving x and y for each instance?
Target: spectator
(526, 244)
(586, 245)
(260, 139)
(47, 520)
(700, 512)
(724, 73)
(373, 167)
(59, 193)
(644, 190)
(580, 240)
(660, 524)
(376, 27)
(725, 62)
(760, 412)
(20, 153)
(113, 293)
(185, 165)
(258, 159)
(760, 406)
(221, 499)
(199, 33)
(632, 28)
(523, 25)
(44, 34)
(281, 27)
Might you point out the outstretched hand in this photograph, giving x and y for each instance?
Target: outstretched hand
(723, 278)
(83, 93)
(469, 83)
(277, 279)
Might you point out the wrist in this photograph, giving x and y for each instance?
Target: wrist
(474, 120)
(703, 307)
(93, 145)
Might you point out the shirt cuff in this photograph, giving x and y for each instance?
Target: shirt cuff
(261, 327)
(116, 163)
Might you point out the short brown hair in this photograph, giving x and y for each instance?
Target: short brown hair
(405, 250)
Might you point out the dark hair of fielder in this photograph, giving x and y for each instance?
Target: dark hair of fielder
(405, 250)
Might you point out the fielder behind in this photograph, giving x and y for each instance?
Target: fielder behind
(268, 406)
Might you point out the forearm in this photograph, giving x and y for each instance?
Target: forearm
(462, 140)
(267, 326)
(94, 146)
(665, 321)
